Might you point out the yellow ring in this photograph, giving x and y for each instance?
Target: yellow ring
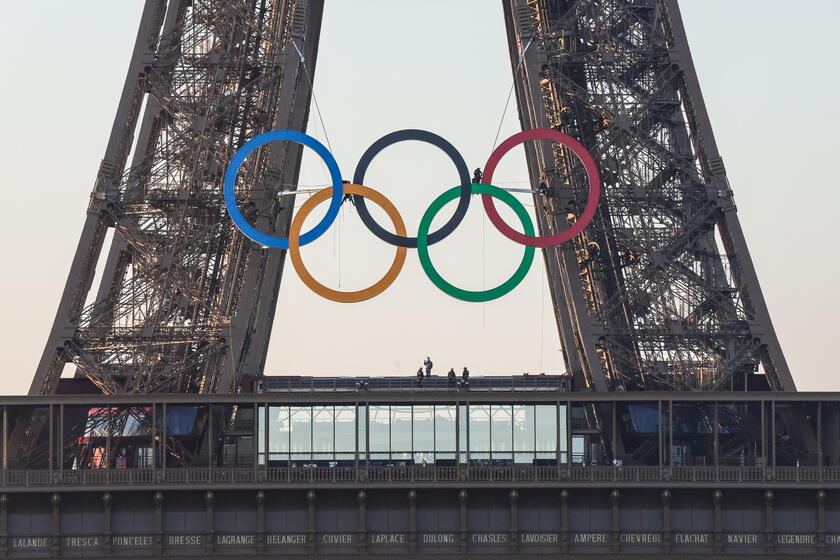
(329, 293)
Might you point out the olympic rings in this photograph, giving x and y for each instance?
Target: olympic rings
(335, 295)
(336, 194)
(233, 170)
(434, 140)
(437, 279)
(591, 172)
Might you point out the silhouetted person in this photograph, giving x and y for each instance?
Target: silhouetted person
(428, 364)
(477, 176)
(451, 376)
(465, 375)
(419, 377)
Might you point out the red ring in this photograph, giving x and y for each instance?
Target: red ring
(591, 172)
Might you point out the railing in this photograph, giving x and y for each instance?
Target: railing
(575, 475)
(514, 383)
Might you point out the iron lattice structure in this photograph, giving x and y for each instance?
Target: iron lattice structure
(659, 292)
(182, 292)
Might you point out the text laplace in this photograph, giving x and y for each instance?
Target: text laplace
(388, 538)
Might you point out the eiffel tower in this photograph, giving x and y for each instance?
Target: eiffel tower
(658, 293)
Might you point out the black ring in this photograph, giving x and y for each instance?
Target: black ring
(435, 140)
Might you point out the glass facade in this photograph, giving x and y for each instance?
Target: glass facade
(420, 434)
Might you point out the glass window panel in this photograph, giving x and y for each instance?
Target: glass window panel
(322, 432)
(501, 429)
(578, 448)
(523, 458)
(423, 432)
(180, 420)
(524, 427)
(260, 434)
(563, 435)
(362, 411)
(444, 428)
(345, 429)
(278, 429)
(546, 415)
(400, 431)
(462, 433)
(479, 428)
(301, 431)
(379, 425)
(134, 422)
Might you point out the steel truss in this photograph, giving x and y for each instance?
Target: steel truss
(185, 303)
(659, 292)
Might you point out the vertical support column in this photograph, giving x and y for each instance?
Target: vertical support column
(158, 498)
(569, 461)
(821, 521)
(266, 439)
(768, 521)
(51, 440)
(667, 537)
(310, 521)
(412, 521)
(717, 499)
(615, 525)
(715, 432)
(764, 436)
(164, 454)
(660, 435)
(55, 546)
(670, 433)
(154, 442)
(209, 522)
(564, 520)
(361, 527)
(4, 524)
(819, 439)
(260, 522)
(462, 521)
(773, 432)
(210, 445)
(5, 441)
(255, 437)
(60, 440)
(513, 496)
(109, 459)
(614, 439)
(107, 520)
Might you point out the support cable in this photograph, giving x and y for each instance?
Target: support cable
(510, 93)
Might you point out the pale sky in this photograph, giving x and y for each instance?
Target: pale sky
(769, 76)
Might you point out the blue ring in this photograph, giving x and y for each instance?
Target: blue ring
(275, 136)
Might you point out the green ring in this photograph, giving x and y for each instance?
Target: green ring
(437, 279)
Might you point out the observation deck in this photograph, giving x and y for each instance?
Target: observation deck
(381, 466)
